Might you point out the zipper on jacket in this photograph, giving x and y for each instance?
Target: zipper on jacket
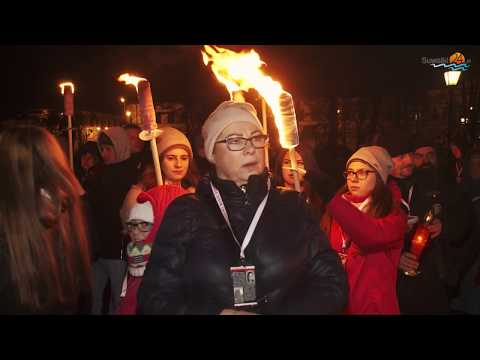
(245, 199)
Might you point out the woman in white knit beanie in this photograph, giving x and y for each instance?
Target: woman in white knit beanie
(239, 245)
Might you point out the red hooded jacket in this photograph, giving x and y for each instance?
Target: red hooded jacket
(160, 197)
(372, 257)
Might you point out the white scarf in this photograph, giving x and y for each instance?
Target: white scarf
(360, 206)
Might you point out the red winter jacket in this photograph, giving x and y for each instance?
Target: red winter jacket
(160, 197)
(372, 257)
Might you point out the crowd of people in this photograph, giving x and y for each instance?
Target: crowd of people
(237, 238)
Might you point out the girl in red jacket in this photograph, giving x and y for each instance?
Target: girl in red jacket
(366, 228)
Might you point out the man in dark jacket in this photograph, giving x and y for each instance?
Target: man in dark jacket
(430, 291)
(210, 243)
(468, 300)
(106, 195)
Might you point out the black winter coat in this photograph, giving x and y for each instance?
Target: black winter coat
(441, 262)
(105, 196)
(297, 272)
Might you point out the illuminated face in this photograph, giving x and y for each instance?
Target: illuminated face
(361, 178)
(424, 157)
(403, 166)
(287, 173)
(108, 153)
(238, 166)
(136, 145)
(175, 164)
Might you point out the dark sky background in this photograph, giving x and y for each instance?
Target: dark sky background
(31, 73)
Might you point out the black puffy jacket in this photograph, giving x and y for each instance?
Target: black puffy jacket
(189, 270)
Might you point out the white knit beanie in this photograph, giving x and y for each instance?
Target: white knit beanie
(170, 137)
(143, 211)
(228, 112)
(377, 157)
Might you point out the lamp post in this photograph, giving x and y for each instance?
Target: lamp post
(128, 113)
(451, 80)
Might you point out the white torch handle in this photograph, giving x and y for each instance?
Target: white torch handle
(70, 141)
(293, 160)
(265, 129)
(156, 161)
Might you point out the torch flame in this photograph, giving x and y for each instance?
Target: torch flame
(130, 80)
(63, 85)
(242, 71)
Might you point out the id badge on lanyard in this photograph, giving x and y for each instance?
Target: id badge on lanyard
(243, 277)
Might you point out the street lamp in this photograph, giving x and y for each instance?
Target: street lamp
(128, 113)
(451, 80)
(122, 100)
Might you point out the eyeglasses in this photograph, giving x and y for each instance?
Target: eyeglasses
(238, 143)
(141, 226)
(359, 174)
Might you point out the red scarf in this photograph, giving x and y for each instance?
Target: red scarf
(355, 198)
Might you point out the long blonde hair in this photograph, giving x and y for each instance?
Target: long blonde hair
(41, 219)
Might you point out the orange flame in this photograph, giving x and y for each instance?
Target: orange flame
(63, 85)
(242, 71)
(130, 80)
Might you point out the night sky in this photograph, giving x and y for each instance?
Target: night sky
(177, 73)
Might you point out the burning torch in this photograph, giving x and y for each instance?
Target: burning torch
(150, 129)
(241, 72)
(67, 90)
(286, 122)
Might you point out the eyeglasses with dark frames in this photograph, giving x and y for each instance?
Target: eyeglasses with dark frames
(141, 226)
(238, 143)
(359, 174)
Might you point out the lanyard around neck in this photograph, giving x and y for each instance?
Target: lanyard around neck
(253, 224)
(407, 204)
